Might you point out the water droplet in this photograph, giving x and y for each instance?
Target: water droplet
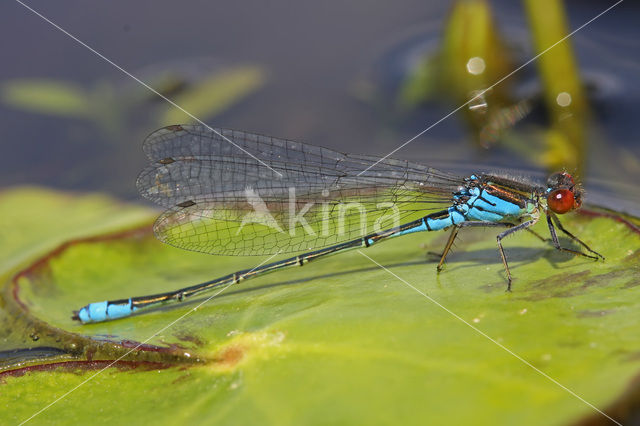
(563, 99)
(476, 65)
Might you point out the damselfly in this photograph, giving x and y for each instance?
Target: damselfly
(261, 195)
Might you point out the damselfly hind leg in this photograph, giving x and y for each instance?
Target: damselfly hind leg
(447, 248)
(523, 225)
(454, 234)
(551, 220)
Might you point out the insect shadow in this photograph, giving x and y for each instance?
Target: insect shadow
(457, 259)
(515, 255)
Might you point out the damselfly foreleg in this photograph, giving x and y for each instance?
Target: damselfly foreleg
(551, 220)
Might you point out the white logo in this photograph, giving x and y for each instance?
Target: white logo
(332, 221)
(260, 213)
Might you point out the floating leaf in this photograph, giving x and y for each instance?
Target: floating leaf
(340, 340)
(34, 220)
(46, 97)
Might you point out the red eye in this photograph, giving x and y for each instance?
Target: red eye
(561, 200)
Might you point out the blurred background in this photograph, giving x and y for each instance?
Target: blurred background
(355, 76)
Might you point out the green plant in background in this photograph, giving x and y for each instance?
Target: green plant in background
(125, 113)
(58, 98)
(109, 106)
(214, 94)
(565, 100)
(474, 56)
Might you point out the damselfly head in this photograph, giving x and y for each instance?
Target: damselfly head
(563, 195)
(560, 180)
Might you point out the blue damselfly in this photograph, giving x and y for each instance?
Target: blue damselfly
(263, 195)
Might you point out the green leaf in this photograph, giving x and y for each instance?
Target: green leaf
(343, 340)
(46, 97)
(35, 220)
(215, 94)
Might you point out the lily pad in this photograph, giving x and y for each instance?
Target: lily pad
(341, 340)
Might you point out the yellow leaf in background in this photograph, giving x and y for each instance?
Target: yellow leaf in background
(560, 153)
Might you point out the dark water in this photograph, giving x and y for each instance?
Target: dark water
(317, 55)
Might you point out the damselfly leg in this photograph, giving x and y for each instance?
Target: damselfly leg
(551, 220)
(454, 234)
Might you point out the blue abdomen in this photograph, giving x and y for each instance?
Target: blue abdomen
(444, 219)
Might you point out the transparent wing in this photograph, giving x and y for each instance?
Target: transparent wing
(264, 195)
